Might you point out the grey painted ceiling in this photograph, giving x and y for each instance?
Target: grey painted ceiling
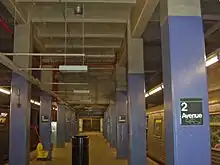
(153, 60)
(100, 31)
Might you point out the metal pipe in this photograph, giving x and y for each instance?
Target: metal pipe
(9, 64)
(54, 83)
(39, 69)
(102, 68)
(63, 91)
(61, 55)
(43, 54)
(54, 69)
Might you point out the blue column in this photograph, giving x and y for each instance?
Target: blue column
(104, 125)
(61, 126)
(136, 113)
(20, 108)
(77, 124)
(73, 124)
(68, 125)
(108, 125)
(45, 122)
(113, 125)
(184, 70)
(19, 121)
(136, 102)
(122, 126)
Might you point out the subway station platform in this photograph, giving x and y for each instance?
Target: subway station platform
(99, 150)
(100, 153)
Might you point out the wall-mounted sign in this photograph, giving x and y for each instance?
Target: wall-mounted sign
(45, 119)
(191, 111)
(3, 118)
(122, 119)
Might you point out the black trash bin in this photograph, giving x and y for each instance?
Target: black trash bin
(80, 150)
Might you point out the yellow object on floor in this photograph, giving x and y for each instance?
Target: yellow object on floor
(41, 154)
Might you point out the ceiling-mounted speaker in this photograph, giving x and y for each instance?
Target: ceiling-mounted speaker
(78, 10)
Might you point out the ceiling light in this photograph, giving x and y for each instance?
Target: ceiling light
(212, 60)
(209, 61)
(146, 95)
(154, 90)
(78, 10)
(5, 91)
(73, 68)
(37, 103)
(81, 91)
(157, 89)
(56, 109)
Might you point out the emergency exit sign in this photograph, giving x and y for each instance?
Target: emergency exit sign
(191, 111)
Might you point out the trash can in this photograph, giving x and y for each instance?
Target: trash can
(80, 150)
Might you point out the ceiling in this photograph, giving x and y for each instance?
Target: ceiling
(99, 34)
(153, 54)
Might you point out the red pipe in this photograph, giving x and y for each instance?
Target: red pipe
(5, 26)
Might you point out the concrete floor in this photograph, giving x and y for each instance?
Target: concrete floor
(100, 153)
(99, 150)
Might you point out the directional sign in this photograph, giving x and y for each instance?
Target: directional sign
(122, 119)
(191, 111)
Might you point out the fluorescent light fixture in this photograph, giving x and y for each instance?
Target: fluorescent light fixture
(81, 91)
(211, 61)
(35, 102)
(73, 68)
(157, 89)
(146, 95)
(5, 91)
(56, 109)
(154, 90)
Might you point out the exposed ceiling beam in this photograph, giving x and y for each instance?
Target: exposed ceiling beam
(82, 1)
(14, 10)
(79, 35)
(206, 17)
(212, 30)
(211, 17)
(78, 20)
(62, 46)
(139, 24)
(20, 18)
(89, 102)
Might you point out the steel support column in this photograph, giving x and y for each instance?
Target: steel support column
(73, 124)
(77, 124)
(136, 103)
(108, 125)
(20, 108)
(45, 122)
(121, 112)
(104, 125)
(184, 74)
(113, 125)
(68, 126)
(122, 124)
(45, 113)
(61, 126)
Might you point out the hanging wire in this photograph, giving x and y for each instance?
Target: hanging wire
(83, 33)
(65, 43)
